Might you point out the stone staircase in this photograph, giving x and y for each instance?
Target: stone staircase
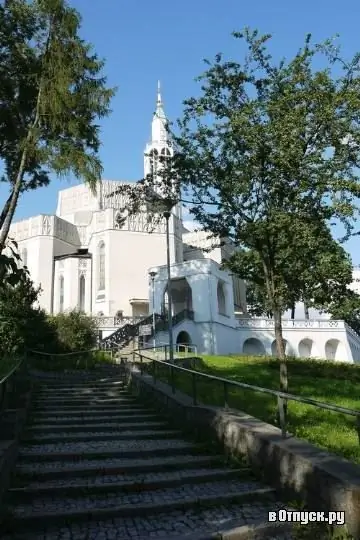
(95, 464)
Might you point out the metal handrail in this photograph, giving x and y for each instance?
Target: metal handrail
(4, 379)
(282, 397)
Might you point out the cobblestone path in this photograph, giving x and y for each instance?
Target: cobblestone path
(96, 464)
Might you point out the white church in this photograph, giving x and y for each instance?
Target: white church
(84, 257)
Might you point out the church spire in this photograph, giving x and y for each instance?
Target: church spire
(159, 102)
(159, 128)
(160, 144)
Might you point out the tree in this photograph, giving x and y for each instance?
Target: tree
(320, 283)
(51, 95)
(266, 152)
(11, 272)
(75, 331)
(22, 325)
(347, 308)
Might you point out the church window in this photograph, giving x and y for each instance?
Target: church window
(82, 293)
(61, 294)
(24, 257)
(101, 277)
(153, 161)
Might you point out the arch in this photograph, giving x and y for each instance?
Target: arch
(181, 297)
(82, 293)
(101, 266)
(154, 157)
(288, 348)
(306, 348)
(24, 256)
(183, 338)
(253, 346)
(334, 350)
(61, 293)
(221, 300)
(165, 155)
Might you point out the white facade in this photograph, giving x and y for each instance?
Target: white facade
(209, 293)
(83, 257)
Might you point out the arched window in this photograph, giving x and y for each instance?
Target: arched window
(154, 156)
(61, 294)
(221, 298)
(101, 276)
(24, 257)
(82, 293)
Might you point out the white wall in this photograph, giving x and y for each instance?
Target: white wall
(216, 338)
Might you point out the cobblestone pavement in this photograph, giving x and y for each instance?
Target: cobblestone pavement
(175, 524)
(130, 489)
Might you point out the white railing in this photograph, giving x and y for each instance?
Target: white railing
(104, 322)
(161, 351)
(290, 323)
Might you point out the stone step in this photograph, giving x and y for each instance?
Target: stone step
(77, 392)
(40, 398)
(87, 408)
(101, 436)
(66, 451)
(77, 409)
(84, 399)
(95, 417)
(247, 521)
(64, 509)
(48, 391)
(96, 383)
(95, 427)
(64, 406)
(110, 466)
(122, 482)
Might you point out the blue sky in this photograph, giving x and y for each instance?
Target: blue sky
(145, 41)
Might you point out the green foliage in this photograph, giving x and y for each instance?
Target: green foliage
(52, 95)
(61, 362)
(22, 325)
(75, 331)
(320, 278)
(11, 272)
(268, 155)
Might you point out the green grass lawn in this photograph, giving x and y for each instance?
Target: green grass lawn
(328, 382)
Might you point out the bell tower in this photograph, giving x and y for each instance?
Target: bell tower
(159, 146)
(156, 152)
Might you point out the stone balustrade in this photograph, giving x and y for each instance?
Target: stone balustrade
(290, 323)
(118, 322)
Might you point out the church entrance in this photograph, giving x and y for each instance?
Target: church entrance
(183, 338)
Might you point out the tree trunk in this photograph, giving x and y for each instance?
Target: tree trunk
(12, 203)
(280, 349)
(5, 210)
(293, 312)
(24, 156)
(306, 311)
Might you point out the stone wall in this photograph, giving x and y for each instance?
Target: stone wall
(297, 469)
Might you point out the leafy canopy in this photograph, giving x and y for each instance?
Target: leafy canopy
(268, 151)
(52, 95)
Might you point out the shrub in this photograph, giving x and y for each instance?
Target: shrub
(22, 326)
(75, 331)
